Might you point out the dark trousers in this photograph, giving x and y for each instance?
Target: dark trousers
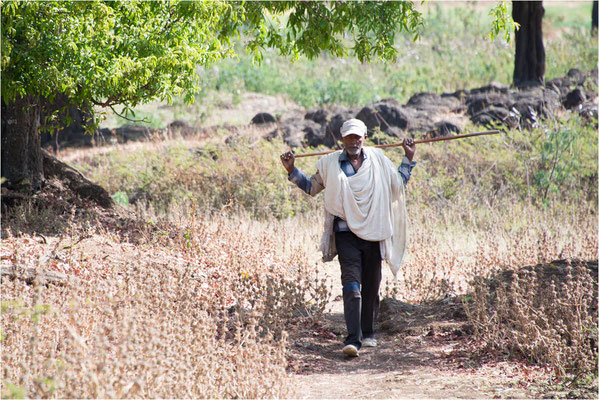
(361, 278)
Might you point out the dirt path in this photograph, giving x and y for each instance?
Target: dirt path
(428, 362)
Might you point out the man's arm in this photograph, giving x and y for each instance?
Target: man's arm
(311, 186)
(405, 168)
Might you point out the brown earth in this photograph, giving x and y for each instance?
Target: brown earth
(435, 363)
(423, 352)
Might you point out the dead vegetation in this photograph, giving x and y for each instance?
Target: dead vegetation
(187, 309)
(188, 296)
(545, 313)
(193, 304)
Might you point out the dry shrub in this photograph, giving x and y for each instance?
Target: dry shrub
(547, 317)
(148, 337)
(449, 247)
(174, 314)
(274, 300)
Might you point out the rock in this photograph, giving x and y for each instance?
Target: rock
(490, 115)
(573, 99)
(551, 101)
(560, 85)
(421, 120)
(295, 132)
(314, 135)
(459, 94)
(390, 100)
(589, 112)
(423, 108)
(493, 87)
(180, 128)
(576, 77)
(513, 119)
(542, 101)
(433, 102)
(104, 136)
(263, 118)
(445, 128)
(384, 116)
(134, 133)
(479, 101)
(333, 127)
(320, 116)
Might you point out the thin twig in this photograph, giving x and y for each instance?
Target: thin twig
(127, 118)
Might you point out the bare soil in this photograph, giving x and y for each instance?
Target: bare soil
(427, 355)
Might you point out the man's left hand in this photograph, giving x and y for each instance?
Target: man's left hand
(409, 147)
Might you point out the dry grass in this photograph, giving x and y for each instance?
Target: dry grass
(447, 251)
(194, 309)
(197, 305)
(191, 296)
(548, 321)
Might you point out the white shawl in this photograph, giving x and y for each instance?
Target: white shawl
(372, 202)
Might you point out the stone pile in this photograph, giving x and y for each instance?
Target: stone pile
(489, 106)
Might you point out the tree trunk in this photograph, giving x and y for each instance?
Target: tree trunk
(21, 153)
(594, 17)
(529, 68)
(24, 162)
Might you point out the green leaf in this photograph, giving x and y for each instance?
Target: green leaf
(121, 198)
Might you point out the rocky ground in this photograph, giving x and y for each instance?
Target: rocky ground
(428, 114)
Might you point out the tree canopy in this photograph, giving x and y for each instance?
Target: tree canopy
(125, 53)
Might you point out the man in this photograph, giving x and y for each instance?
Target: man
(365, 222)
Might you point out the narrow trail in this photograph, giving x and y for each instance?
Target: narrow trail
(427, 358)
(427, 366)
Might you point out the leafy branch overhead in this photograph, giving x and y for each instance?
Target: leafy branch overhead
(127, 53)
(109, 53)
(502, 22)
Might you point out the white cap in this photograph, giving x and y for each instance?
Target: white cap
(353, 127)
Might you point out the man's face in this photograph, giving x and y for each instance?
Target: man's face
(353, 143)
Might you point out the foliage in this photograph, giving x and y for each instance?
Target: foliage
(108, 53)
(309, 27)
(245, 173)
(451, 54)
(502, 22)
(126, 53)
(558, 159)
(233, 176)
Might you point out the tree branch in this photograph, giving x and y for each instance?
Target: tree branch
(127, 118)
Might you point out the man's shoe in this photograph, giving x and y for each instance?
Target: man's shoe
(369, 342)
(350, 350)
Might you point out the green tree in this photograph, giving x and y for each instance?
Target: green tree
(109, 54)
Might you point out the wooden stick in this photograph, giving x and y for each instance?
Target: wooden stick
(382, 146)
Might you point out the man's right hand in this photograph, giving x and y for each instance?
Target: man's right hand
(288, 161)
